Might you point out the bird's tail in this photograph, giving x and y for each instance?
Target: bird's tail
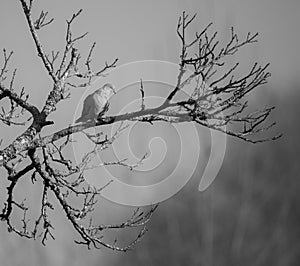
(80, 119)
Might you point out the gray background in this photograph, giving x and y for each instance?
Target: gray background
(250, 215)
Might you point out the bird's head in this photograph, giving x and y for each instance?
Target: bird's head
(107, 89)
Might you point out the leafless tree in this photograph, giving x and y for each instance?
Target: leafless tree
(213, 95)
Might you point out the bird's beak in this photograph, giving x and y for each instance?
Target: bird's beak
(114, 91)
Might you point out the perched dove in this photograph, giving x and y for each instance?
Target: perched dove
(96, 103)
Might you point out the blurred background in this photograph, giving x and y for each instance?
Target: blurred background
(250, 214)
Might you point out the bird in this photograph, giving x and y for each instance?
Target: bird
(96, 104)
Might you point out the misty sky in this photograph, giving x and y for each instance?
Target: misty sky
(135, 30)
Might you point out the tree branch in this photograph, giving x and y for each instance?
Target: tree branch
(27, 11)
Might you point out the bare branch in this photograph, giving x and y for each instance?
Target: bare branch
(143, 96)
(18, 100)
(41, 54)
(40, 22)
(4, 70)
(216, 102)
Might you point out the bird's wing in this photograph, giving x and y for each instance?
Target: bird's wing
(99, 102)
(87, 107)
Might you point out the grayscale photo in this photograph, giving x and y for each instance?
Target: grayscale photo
(149, 133)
